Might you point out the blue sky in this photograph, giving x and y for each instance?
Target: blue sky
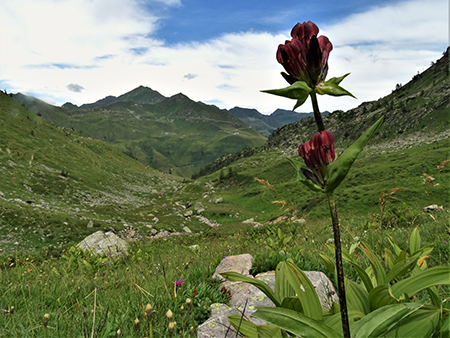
(218, 52)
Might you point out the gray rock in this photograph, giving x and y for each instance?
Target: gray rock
(187, 230)
(90, 224)
(198, 207)
(433, 207)
(218, 200)
(105, 244)
(188, 213)
(240, 264)
(2, 194)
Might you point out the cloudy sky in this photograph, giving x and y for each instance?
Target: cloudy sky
(218, 52)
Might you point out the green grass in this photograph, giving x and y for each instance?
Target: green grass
(72, 180)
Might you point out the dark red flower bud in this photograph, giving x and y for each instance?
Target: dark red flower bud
(317, 154)
(305, 57)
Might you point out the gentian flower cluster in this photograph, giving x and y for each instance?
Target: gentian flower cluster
(317, 154)
(305, 57)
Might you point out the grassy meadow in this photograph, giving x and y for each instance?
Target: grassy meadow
(89, 296)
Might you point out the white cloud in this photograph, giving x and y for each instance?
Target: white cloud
(110, 47)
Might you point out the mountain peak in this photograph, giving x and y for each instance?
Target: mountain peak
(143, 95)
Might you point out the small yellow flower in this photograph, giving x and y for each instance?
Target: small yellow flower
(169, 315)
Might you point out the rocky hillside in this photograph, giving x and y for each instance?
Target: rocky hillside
(415, 113)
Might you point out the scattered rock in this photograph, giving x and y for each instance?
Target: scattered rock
(249, 221)
(217, 200)
(155, 219)
(188, 213)
(105, 244)
(2, 195)
(299, 220)
(240, 263)
(433, 207)
(198, 207)
(90, 224)
(212, 224)
(187, 230)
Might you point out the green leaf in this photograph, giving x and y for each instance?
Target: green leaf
(428, 278)
(269, 331)
(237, 277)
(376, 264)
(414, 241)
(244, 326)
(397, 250)
(335, 322)
(383, 319)
(356, 296)
(298, 91)
(338, 169)
(298, 165)
(361, 272)
(332, 89)
(403, 267)
(296, 278)
(337, 80)
(445, 327)
(382, 296)
(421, 323)
(296, 323)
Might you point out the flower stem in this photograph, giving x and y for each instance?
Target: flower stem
(316, 110)
(339, 266)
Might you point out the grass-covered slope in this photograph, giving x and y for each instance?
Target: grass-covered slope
(415, 113)
(54, 181)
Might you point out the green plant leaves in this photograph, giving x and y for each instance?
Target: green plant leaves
(250, 330)
(237, 277)
(296, 323)
(379, 321)
(298, 165)
(331, 87)
(298, 91)
(428, 278)
(289, 281)
(337, 170)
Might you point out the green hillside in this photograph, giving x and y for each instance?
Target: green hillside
(174, 135)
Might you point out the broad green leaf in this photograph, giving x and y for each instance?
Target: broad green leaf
(356, 296)
(337, 80)
(332, 89)
(298, 165)
(428, 278)
(296, 278)
(389, 258)
(397, 250)
(420, 324)
(335, 322)
(237, 277)
(269, 331)
(250, 330)
(445, 327)
(292, 303)
(244, 326)
(377, 267)
(383, 319)
(434, 296)
(338, 169)
(403, 267)
(382, 296)
(361, 272)
(353, 247)
(296, 323)
(414, 242)
(298, 91)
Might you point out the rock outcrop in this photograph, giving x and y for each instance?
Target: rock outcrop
(245, 298)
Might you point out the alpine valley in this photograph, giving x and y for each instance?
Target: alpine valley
(186, 183)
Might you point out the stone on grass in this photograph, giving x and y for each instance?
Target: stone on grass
(433, 207)
(240, 264)
(107, 244)
(187, 230)
(198, 207)
(90, 224)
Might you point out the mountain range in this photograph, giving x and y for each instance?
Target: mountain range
(172, 134)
